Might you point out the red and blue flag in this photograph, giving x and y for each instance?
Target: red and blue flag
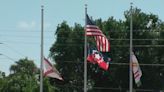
(96, 57)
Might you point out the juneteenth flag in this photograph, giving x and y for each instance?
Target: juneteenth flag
(96, 57)
(50, 70)
(136, 70)
(102, 42)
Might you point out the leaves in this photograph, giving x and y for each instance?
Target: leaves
(69, 55)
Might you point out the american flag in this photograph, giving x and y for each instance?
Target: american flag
(102, 42)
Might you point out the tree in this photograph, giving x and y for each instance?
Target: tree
(67, 52)
(22, 77)
(2, 80)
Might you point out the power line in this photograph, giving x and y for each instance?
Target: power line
(139, 39)
(14, 50)
(123, 39)
(23, 30)
(8, 57)
(107, 88)
(74, 44)
(111, 30)
(71, 44)
(25, 43)
(139, 46)
(141, 64)
(23, 36)
(112, 63)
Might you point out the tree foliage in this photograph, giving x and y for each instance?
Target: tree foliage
(23, 77)
(67, 52)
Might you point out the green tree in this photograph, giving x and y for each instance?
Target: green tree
(2, 80)
(67, 52)
(21, 77)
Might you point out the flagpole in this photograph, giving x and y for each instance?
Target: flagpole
(41, 61)
(85, 53)
(131, 48)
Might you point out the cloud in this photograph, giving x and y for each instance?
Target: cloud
(32, 25)
(27, 25)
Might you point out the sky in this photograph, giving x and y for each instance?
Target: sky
(20, 22)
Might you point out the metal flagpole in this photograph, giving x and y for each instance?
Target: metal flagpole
(131, 48)
(85, 53)
(41, 61)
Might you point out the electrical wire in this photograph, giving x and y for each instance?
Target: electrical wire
(107, 88)
(55, 37)
(22, 31)
(139, 30)
(9, 57)
(112, 63)
(24, 36)
(14, 50)
(74, 44)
